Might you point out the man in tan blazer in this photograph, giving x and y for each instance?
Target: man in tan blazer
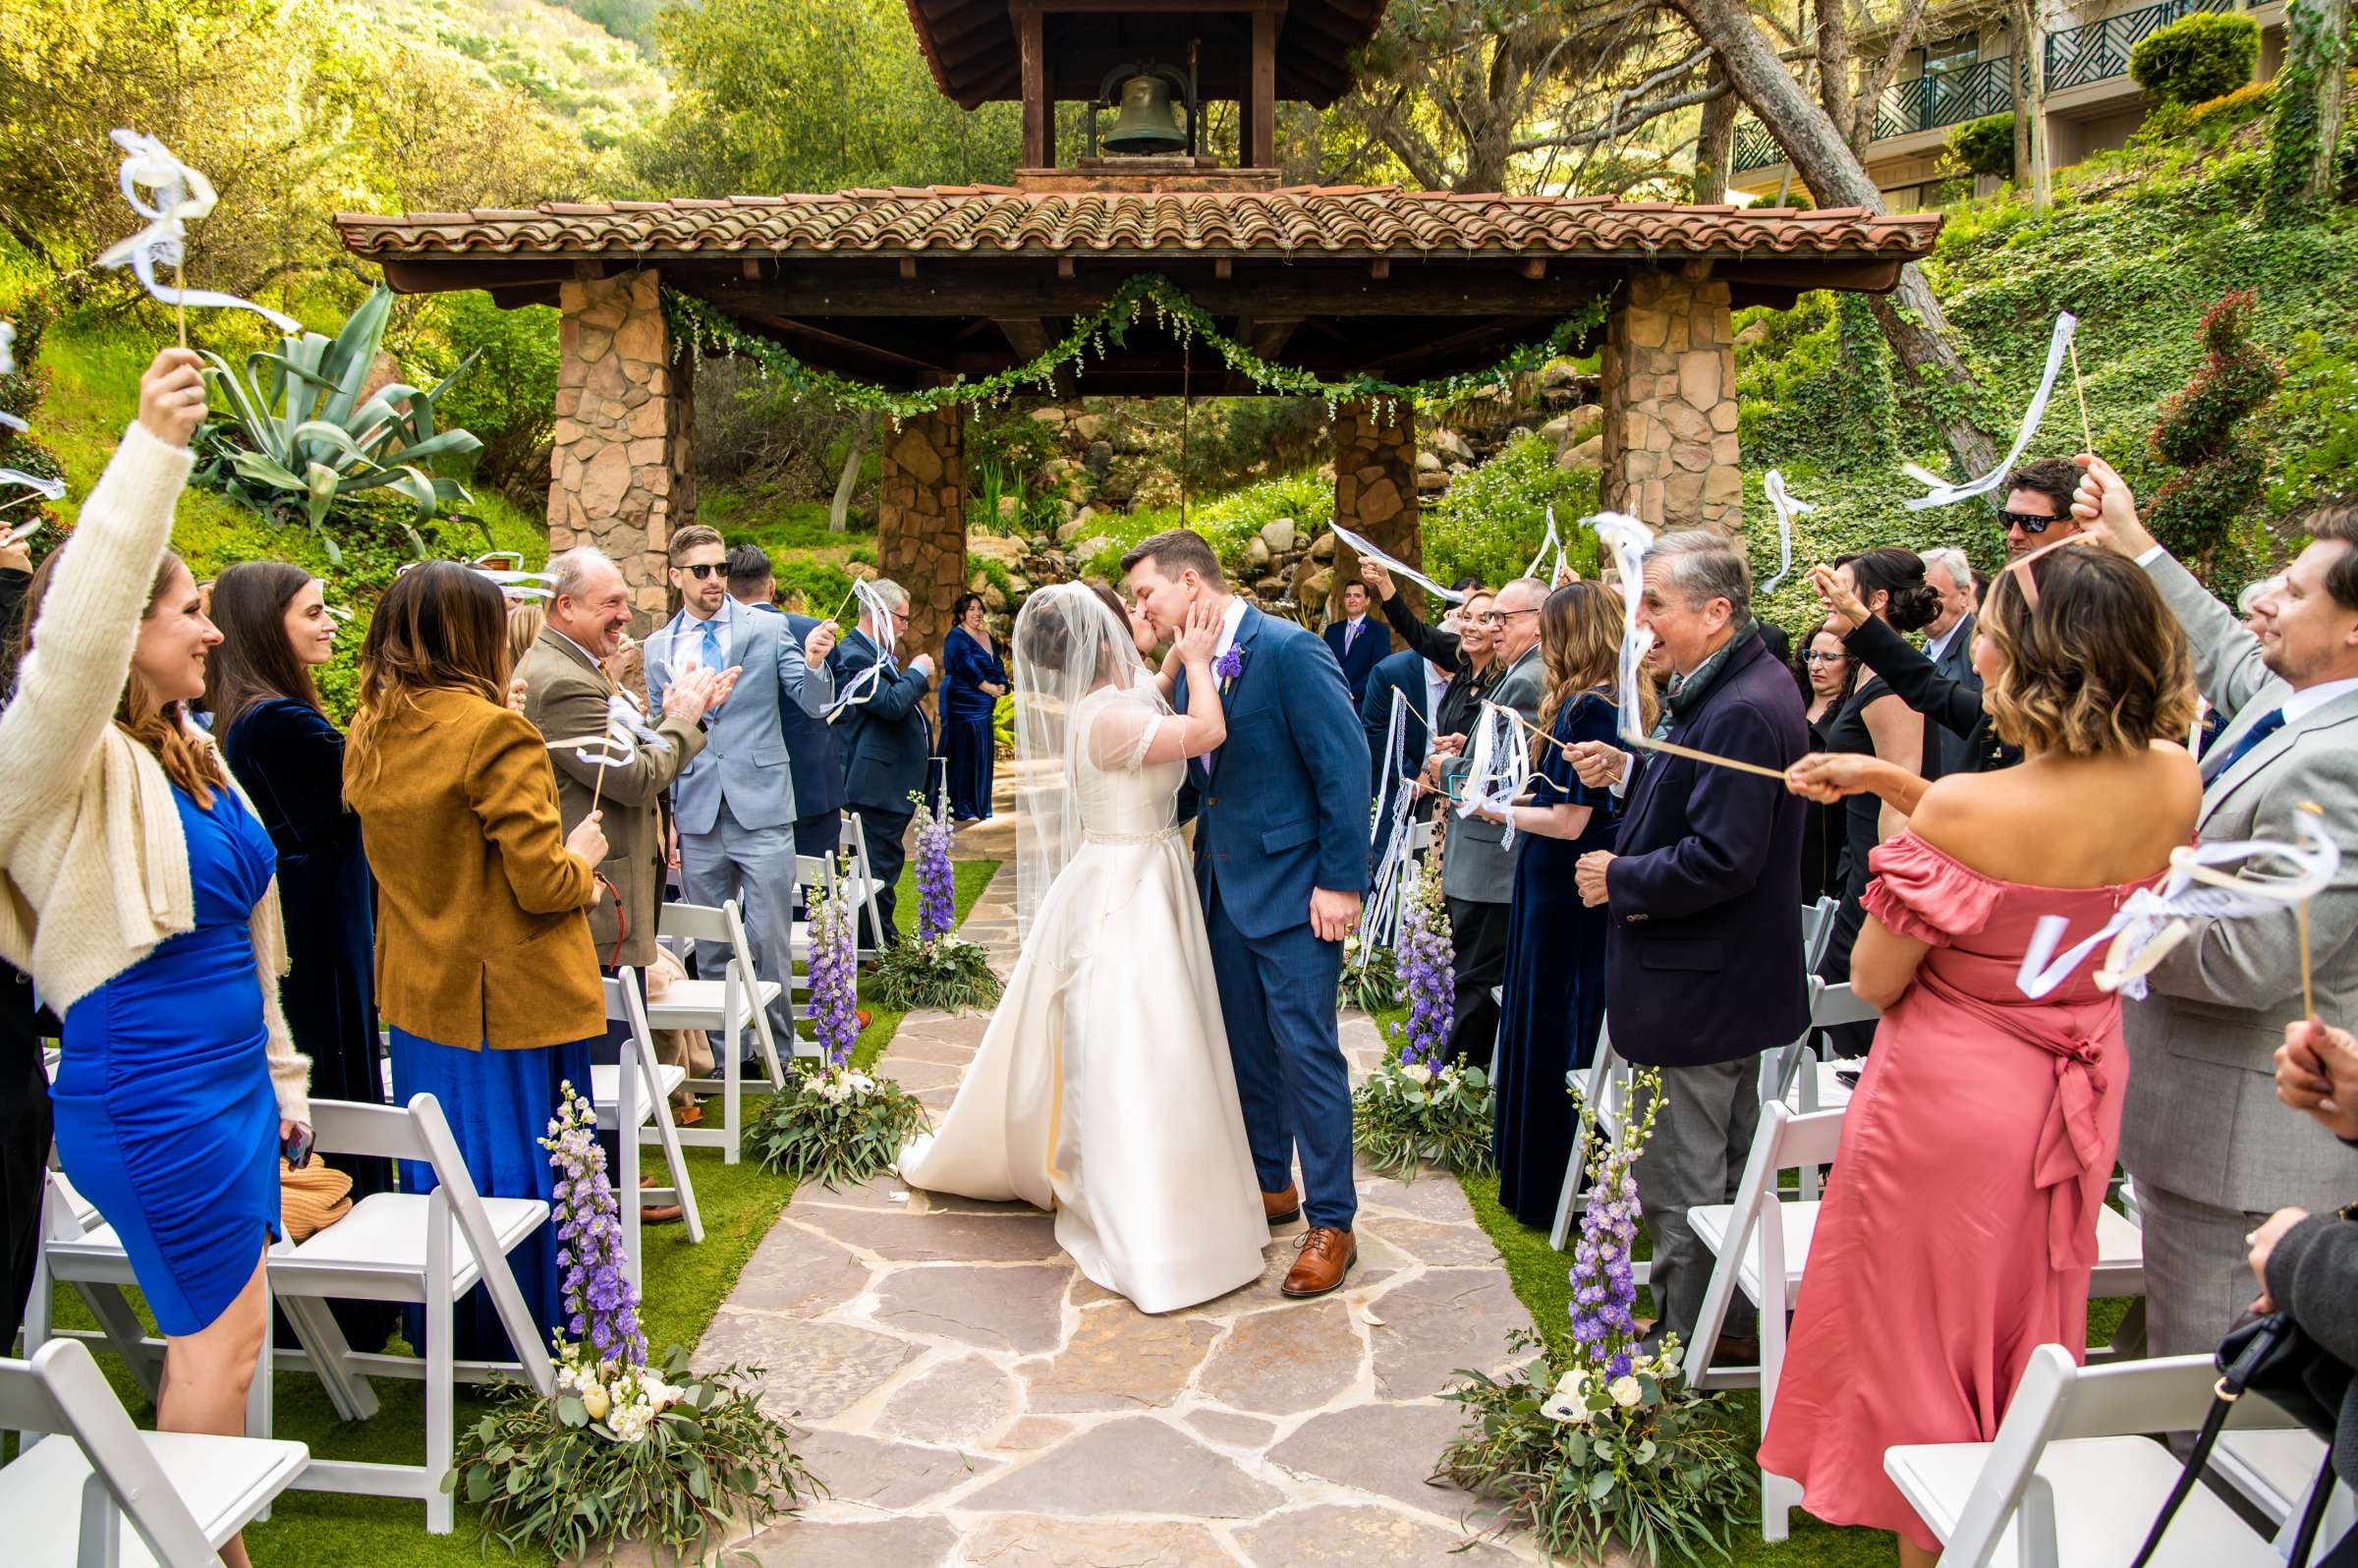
(2211, 1152)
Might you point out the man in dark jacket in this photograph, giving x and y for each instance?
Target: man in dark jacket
(811, 758)
(1702, 960)
(1358, 644)
(886, 742)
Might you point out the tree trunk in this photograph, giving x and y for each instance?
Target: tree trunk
(840, 510)
(1836, 86)
(2032, 160)
(1716, 141)
(2333, 81)
(1910, 316)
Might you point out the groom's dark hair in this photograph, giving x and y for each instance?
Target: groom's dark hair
(1178, 550)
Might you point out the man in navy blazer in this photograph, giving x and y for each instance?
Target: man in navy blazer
(1358, 644)
(887, 745)
(1703, 956)
(810, 753)
(1407, 673)
(1281, 864)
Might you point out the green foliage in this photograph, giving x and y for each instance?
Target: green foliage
(2309, 54)
(21, 393)
(835, 1128)
(949, 975)
(510, 400)
(2201, 56)
(1663, 1477)
(1003, 450)
(302, 440)
(2221, 471)
(1227, 523)
(1405, 1114)
(550, 1473)
(2317, 407)
(1495, 516)
(1986, 146)
(1370, 978)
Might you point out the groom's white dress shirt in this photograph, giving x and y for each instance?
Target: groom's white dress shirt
(1230, 619)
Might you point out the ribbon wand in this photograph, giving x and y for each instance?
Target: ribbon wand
(2301, 918)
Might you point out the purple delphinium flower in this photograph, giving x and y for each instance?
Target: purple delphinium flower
(1425, 965)
(600, 1302)
(834, 982)
(937, 897)
(1229, 665)
(1604, 1287)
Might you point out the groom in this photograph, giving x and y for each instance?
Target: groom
(1281, 861)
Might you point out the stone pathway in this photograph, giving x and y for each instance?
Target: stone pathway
(972, 1401)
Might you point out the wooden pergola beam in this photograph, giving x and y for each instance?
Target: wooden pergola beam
(954, 288)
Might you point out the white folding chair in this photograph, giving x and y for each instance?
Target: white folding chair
(628, 1095)
(1603, 1091)
(1419, 837)
(860, 879)
(183, 1493)
(1807, 1077)
(1816, 930)
(2273, 1471)
(722, 1008)
(2072, 1478)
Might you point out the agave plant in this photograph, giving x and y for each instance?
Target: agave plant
(304, 438)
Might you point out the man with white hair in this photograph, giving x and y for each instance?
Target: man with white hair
(885, 741)
(1949, 643)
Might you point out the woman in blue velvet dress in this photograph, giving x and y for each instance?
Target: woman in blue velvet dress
(974, 679)
(1551, 1004)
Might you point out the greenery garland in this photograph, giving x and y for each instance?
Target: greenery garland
(697, 321)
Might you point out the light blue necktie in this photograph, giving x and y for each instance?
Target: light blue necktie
(712, 643)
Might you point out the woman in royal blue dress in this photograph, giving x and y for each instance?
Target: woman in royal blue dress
(1552, 1003)
(139, 893)
(973, 680)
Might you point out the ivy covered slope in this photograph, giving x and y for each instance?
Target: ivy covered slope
(2139, 245)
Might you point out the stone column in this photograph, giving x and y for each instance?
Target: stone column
(1374, 490)
(920, 523)
(622, 473)
(1670, 387)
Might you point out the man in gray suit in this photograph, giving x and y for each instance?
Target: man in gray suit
(1477, 869)
(1949, 643)
(2211, 1152)
(735, 804)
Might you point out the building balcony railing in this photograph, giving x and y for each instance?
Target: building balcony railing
(2095, 51)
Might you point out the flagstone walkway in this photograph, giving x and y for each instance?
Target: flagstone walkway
(972, 1401)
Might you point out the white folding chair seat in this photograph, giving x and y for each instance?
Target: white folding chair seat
(1799, 1220)
(2070, 1477)
(113, 1493)
(1419, 837)
(2273, 1471)
(722, 1007)
(641, 1093)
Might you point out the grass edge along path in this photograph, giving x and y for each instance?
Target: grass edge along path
(685, 1286)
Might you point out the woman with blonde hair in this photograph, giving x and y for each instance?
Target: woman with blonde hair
(484, 967)
(1996, 1112)
(137, 888)
(1552, 1003)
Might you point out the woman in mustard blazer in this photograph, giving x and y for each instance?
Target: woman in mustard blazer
(484, 969)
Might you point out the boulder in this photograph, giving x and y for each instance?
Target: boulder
(1278, 534)
(1092, 545)
(1584, 422)
(1004, 548)
(1053, 419)
(1450, 445)
(1257, 553)
(994, 599)
(1268, 588)
(1089, 427)
(1753, 336)
(1431, 482)
(1427, 463)
(1555, 430)
(1558, 373)
(1322, 548)
(1009, 508)
(1588, 454)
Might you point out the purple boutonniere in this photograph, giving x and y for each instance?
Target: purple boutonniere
(1229, 665)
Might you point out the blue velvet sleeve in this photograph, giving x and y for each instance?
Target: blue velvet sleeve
(1584, 719)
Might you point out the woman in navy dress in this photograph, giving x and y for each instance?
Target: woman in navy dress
(290, 762)
(1551, 1004)
(974, 679)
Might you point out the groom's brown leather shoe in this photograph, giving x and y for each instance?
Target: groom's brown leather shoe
(1280, 1209)
(1321, 1258)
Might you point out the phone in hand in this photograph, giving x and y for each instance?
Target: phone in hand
(297, 1149)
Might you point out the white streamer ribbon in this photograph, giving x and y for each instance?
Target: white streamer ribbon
(880, 618)
(1553, 541)
(50, 489)
(8, 349)
(182, 196)
(1398, 567)
(1499, 767)
(1786, 506)
(1942, 492)
(2149, 923)
(1629, 540)
(618, 745)
(1394, 801)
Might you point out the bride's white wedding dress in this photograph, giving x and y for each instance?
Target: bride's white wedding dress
(1103, 1088)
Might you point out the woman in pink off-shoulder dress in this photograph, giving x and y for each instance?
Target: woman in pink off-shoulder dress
(1960, 1218)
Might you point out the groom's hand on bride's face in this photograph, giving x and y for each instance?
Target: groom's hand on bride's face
(1332, 915)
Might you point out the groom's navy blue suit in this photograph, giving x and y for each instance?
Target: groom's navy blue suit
(1280, 810)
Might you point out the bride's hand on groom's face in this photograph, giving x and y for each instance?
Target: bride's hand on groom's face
(1198, 635)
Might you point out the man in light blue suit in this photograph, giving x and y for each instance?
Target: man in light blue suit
(735, 802)
(1281, 861)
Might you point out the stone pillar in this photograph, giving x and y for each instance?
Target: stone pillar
(1374, 491)
(1669, 386)
(622, 473)
(920, 523)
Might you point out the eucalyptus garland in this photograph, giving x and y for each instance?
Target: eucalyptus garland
(711, 331)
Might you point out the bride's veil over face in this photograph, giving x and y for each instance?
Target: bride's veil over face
(1067, 642)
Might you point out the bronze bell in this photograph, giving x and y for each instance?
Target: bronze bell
(1148, 121)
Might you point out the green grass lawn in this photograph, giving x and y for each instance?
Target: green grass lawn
(685, 1286)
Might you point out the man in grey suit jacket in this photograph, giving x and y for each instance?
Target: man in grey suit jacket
(1949, 643)
(1477, 869)
(735, 804)
(2211, 1152)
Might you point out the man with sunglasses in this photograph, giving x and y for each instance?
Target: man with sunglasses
(735, 804)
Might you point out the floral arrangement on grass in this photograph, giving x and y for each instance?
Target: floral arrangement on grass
(1605, 1445)
(1419, 1105)
(937, 970)
(621, 1452)
(835, 1125)
(1370, 980)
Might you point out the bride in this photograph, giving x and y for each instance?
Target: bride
(1103, 1088)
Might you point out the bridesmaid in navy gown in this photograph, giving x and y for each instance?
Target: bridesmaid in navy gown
(1553, 1000)
(974, 679)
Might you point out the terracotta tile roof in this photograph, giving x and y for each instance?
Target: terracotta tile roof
(994, 220)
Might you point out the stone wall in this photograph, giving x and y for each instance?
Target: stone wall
(1668, 379)
(622, 473)
(921, 525)
(1375, 495)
